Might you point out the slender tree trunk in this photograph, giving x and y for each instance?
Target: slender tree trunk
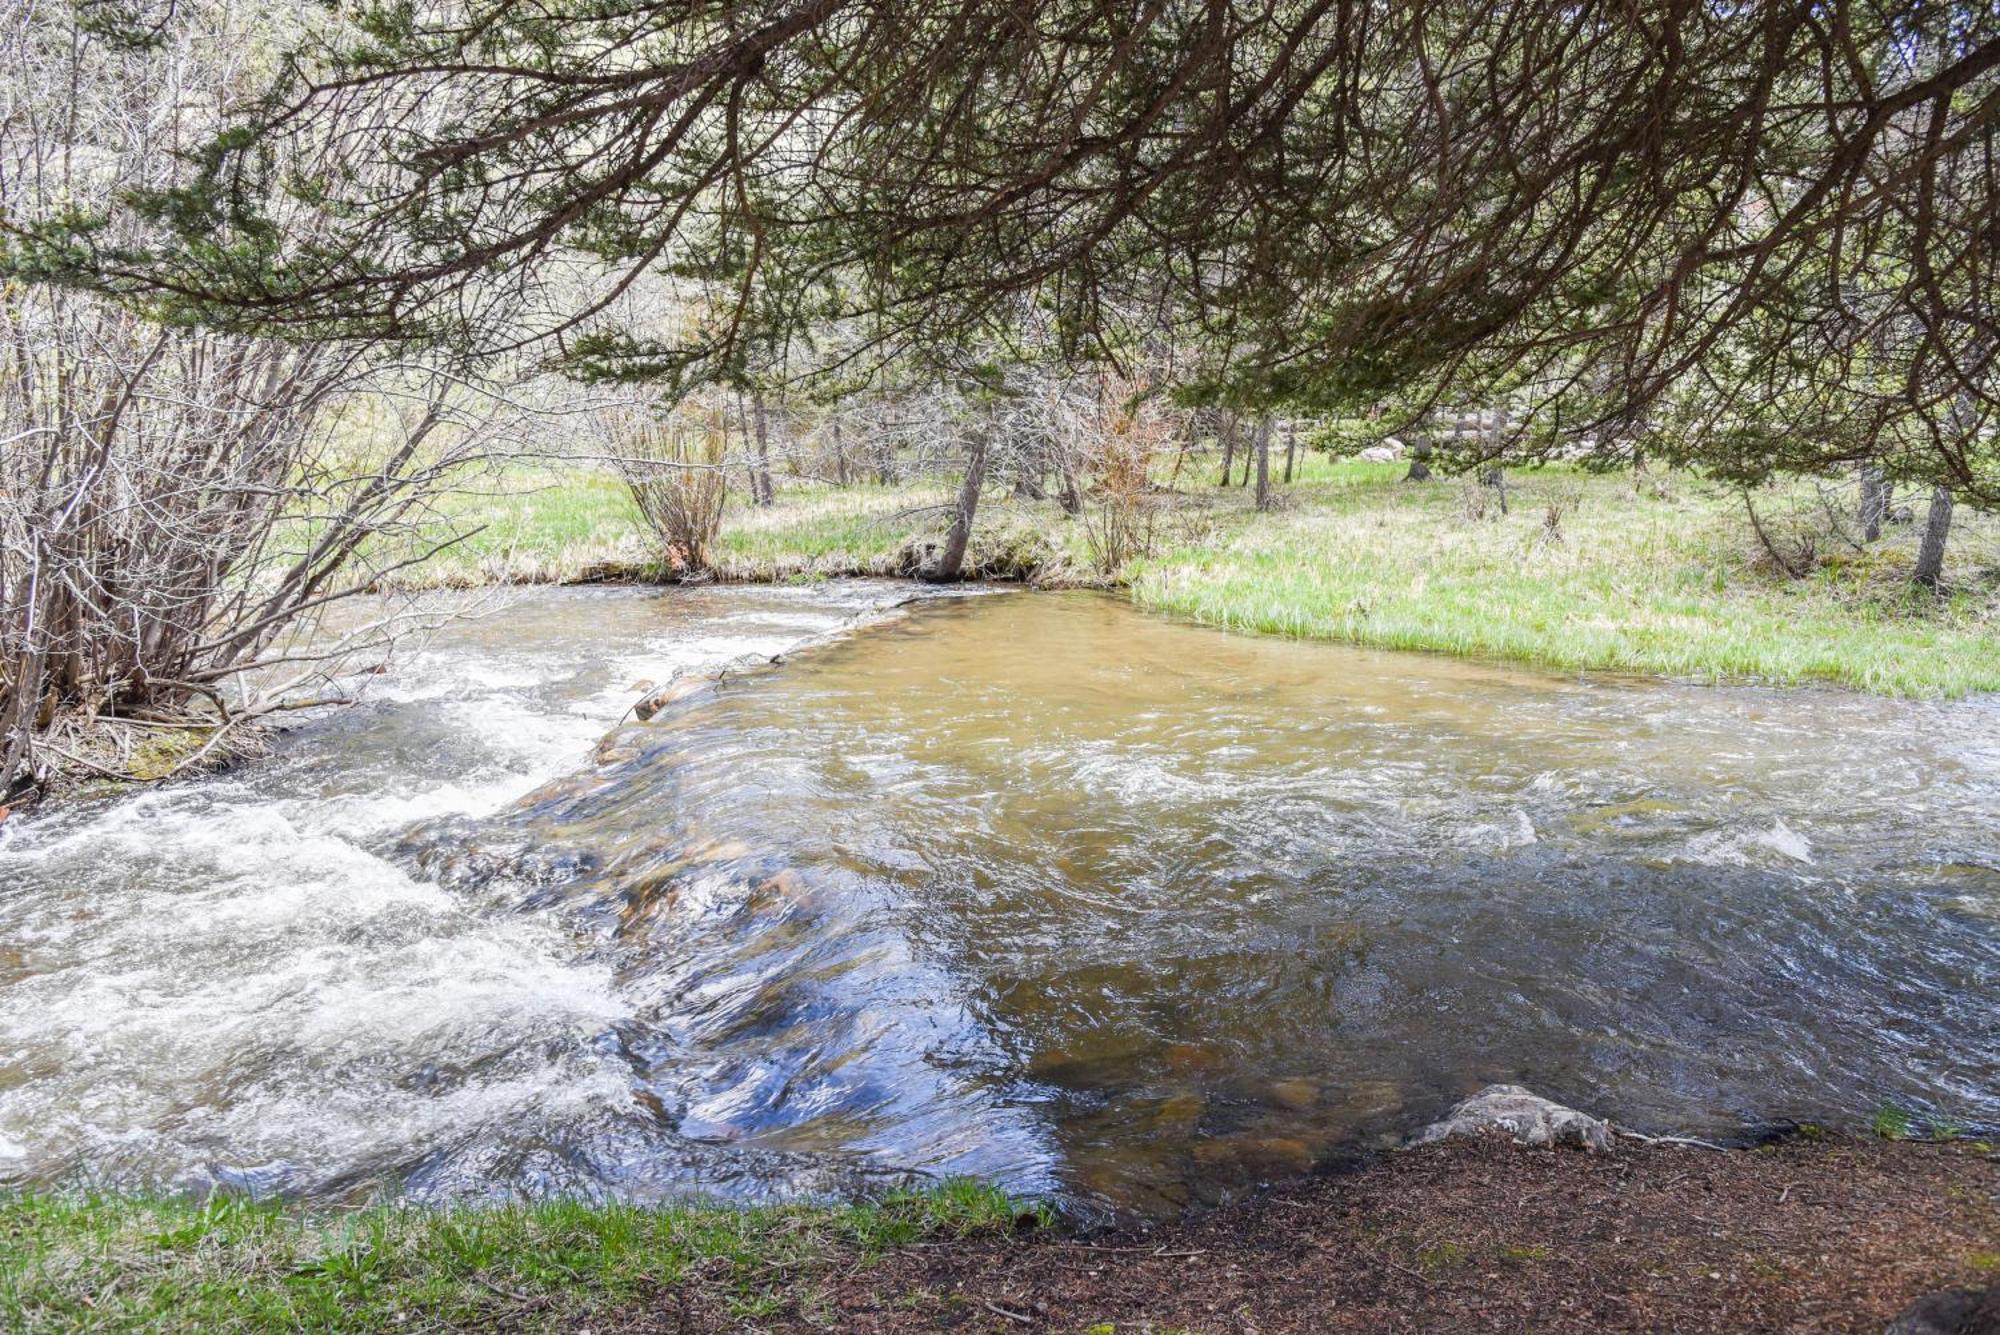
(1937, 528)
(26, 695)
(1264, 463)
(839, 457)
(1028, 476)
(1227, 431)
(1070, 497)
(760, 476)
(950, 567)
(1420, 453)
(1874, 502)
(1249, 455)
(1188, 438)
(1291, 449)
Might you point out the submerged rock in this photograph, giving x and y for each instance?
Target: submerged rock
(1526, 1116)
(1297, 1095)
(686, 686)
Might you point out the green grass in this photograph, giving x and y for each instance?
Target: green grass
(1663, 580)
(87, 1262)
(1891, 1122)
(816, 530)
(553, 525)
(533, 526)
(1666, 578)
(556, 525)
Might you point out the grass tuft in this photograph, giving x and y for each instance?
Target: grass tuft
(96, 1262)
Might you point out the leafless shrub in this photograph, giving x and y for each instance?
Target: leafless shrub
(1559, 501)
(177, 509)
(1112, 439)
(677, 470)
(1793, 539)
(1478, 500)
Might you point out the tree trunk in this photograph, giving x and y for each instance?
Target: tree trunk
(1937, 528)
(1028, 476)
(839, 457)
(1264, 463)
(950, 567)
(1420, 453)
(1249, 455)
(1227, 430)
(1291, 449)
(1874, 502)
(760, 476)
(1070, 496)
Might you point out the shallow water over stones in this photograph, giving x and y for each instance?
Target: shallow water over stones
(1030, 886)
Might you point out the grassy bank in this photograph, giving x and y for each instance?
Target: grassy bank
(552, 526)
(1667, 578)
(1820, 1233)
(1664, 577)
(115, 1263)
(561, 526)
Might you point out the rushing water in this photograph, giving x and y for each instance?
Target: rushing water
(1030, 886)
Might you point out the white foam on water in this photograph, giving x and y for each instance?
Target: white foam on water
(1514, 830)
(258, 989)
(225, 975)
(1131, 775)
(1749, 847)
(435, 675)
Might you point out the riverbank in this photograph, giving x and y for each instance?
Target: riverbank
(1814, 1233)
(1579, 573)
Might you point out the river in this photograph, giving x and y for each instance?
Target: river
(1030, 886)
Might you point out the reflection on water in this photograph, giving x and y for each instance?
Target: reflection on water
(1032, 886)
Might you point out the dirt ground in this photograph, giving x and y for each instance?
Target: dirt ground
(1467, 1235)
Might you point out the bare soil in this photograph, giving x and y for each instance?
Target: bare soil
(1467, 1235)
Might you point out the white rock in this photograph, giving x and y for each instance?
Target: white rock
(1527, 1117)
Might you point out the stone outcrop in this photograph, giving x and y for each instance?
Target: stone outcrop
(1527, 1117)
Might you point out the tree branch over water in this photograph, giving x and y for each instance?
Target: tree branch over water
(1773, 226)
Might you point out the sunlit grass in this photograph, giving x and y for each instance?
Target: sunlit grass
(1661, 578)
(819, 530)
(1636, 581)
(564, 525)
(87, 1262)
(555, 526)
(549, 525)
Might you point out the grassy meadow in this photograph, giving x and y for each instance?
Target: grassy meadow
(1662, 574)
(1663, 577)
(564, 525)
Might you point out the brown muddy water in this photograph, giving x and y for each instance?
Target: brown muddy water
(1029, 886)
